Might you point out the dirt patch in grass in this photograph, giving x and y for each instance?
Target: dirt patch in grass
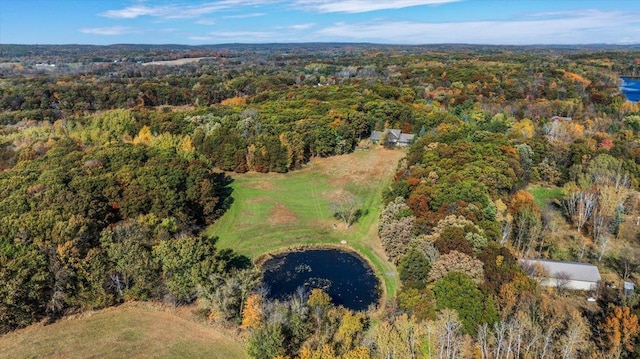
(356, 169)
(280, 214)
(335, 194)
(263, 184)
(327, 224)
(259, 199)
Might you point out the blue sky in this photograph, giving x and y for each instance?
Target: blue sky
(194, 22)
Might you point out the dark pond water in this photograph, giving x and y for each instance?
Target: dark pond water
(344, 276)
(630, 88)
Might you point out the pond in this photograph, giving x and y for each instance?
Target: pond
(347, 278)
(630, 88)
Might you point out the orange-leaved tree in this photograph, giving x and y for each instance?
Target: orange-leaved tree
(620, 328)
(252, 312)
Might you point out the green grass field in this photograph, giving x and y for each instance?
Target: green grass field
(133, 330)
(544, 195)
(273, 212)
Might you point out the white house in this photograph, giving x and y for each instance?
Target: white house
(572, 275)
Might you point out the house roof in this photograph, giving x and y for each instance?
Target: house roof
(406, 137)
(576, 271)
(393, 135)
(376, 135)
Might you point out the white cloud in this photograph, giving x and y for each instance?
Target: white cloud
(205, 22)
(240, 36)
(358, 6)
(245, 36)
(109, 31)
(182, 11)
(298, 26)
(132, 12)
(588, 26)
(323, 6)
(245, 16)
(201, 38)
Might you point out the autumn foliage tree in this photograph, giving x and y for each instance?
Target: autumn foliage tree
(252, 312)
(620, 329)
(455, 261)
(526, 222)
(396, 229)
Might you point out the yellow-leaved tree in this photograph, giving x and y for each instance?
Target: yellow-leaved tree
(252, 312)
(144, 136)
(186, 145)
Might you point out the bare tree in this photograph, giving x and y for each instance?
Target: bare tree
(448, 334)
(483, 341)
(612, 183)
(510, 338)
(346, 207)
(579, 205)
(506, 227)
(547, 342)
(574, 336)
(562, 280)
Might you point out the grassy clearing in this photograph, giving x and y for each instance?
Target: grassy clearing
(133, 330)
(544, 195)
(272, 211)
(174, 62)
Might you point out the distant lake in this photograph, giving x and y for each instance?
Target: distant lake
(347, 278)
(630, 88)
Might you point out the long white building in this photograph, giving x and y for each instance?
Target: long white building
(573, 275)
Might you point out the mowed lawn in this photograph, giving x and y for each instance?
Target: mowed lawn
(133, 330)
(272, 212)
(542, 196)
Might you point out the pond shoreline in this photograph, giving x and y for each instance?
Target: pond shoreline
(368, 286)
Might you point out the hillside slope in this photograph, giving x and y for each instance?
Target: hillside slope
(132, 330)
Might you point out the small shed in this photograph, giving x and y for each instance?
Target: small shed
(571, 275)
(629, 288)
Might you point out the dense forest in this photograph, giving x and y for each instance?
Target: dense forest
(112, 162)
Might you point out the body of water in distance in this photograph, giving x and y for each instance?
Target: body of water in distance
(630, 88)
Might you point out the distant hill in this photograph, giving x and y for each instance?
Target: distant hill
(10, 52)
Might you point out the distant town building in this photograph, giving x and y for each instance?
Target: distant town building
(559, 118)
(571, 275)
(393, 137)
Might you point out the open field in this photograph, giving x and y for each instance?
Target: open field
(174, 62)
(133, 330)
(273, 211)
(544, 195)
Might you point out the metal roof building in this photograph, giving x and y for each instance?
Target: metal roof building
(573, 275)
